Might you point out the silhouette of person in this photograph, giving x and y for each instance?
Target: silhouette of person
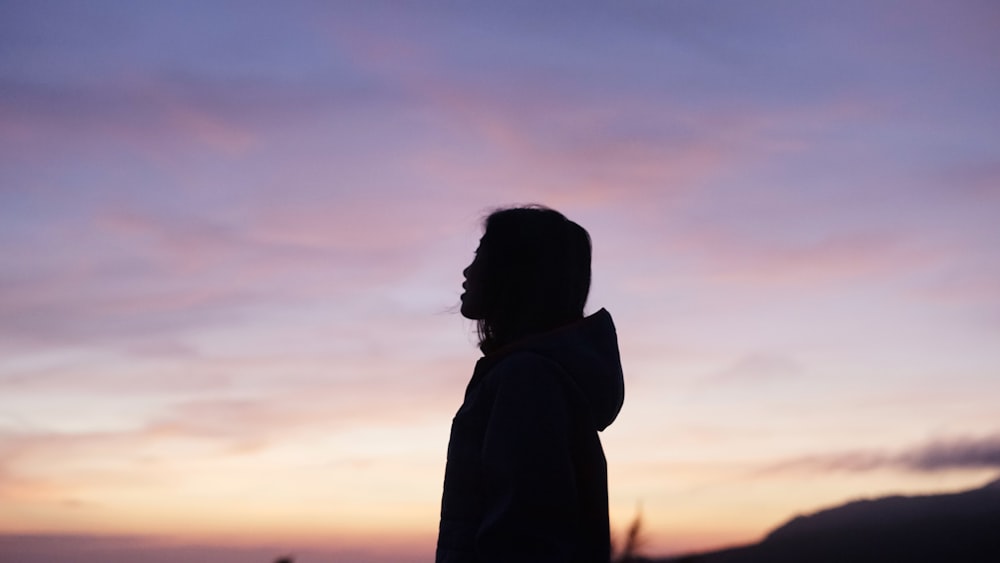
(526, 478)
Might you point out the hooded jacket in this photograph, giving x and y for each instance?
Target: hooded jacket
(526, 478)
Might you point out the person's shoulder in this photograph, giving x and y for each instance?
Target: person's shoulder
(529, 386)
(525, 369)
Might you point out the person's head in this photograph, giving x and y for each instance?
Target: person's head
(531, 274)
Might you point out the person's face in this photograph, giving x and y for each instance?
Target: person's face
(472, 299)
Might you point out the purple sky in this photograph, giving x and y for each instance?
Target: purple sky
(233, 235)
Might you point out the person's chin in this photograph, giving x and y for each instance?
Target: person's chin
(468, 312)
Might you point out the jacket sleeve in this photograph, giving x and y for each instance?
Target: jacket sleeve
(531, 504)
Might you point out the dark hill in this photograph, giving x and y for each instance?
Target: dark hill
(948, 528)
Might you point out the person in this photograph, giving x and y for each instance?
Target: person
(526, 477)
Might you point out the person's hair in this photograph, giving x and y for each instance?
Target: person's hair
(536, 273)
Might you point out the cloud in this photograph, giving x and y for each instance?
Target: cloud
(758, 367)
(154, 110)
(960, 453)
(133, 275)
(60, 465)
(51, 116)
(576, 146)
(82, 548)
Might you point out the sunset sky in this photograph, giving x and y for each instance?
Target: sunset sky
(232, 237)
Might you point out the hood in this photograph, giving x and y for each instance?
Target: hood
(588, 351)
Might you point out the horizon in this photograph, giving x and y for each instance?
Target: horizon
(233, 237)
(120, 549)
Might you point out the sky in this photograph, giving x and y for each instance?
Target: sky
(232, 237)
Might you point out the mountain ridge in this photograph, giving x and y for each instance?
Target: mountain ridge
(960, 527)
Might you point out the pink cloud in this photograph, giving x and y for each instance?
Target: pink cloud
(213, 131)
(144, 273)
(758, 368)
(163, 115)
(145, 116)
(836, 258)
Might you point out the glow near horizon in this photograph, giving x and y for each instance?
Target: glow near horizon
(232, 244)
